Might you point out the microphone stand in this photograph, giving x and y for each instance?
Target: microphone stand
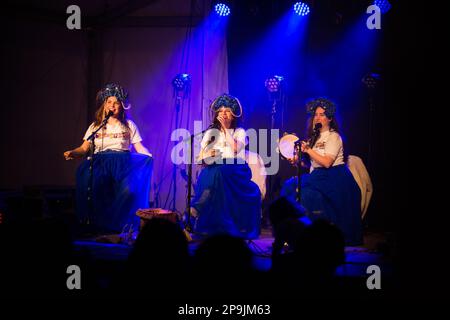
(273, 113)
(174, 166)
(189, 184)
(91, 168)
(189, 181)
(298, 152)
(270, 180)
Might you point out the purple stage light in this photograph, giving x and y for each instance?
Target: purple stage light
(273, 84)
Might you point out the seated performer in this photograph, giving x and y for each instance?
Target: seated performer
(120, 179)
(329, 191)
(226, 201)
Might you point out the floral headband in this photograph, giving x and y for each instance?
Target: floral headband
(324, 103)
(227, 101)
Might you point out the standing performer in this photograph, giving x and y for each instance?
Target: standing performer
(226, 200)
(120, 179)
(329, 191)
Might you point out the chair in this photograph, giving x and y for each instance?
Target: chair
(259, 173)
(362, 178)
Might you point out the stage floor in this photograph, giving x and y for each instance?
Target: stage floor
(375, 251)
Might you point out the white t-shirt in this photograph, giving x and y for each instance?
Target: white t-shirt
(114, 137)
(221, 144)
(330, 144)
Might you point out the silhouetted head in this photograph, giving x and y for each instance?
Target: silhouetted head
(283, 208)
(159, 243)
(321, 248)
(223, 253)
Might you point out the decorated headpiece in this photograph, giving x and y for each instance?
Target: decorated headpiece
(227, 101)
(324, 103)
(115, 90)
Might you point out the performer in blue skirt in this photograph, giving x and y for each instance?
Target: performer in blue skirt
(329, 191)
(226, 201)
(120, 179)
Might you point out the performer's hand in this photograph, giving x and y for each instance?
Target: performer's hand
(206, 157)
(223, 122)
(305, 147)
(293, 160)
(68, 155)
(209, 154)
(194, 212)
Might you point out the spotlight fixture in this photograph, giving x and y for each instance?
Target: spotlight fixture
(301, 8)
(181, 85)
(273, 84)
(384, 5)
(371, 80)
(181, 82)
(222, 9)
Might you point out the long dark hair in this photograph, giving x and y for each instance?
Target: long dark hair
(334, 126)
(101, 113)
(310, 128)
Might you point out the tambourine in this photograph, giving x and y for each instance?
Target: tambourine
(286, 145)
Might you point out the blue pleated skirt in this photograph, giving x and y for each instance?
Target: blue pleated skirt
(121, 185)
(227, 201)
(334, 195)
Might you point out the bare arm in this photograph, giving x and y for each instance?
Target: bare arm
(79, 152)
(325, 161)
(236, 145)
(142, 149)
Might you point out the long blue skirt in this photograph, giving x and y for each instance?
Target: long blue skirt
(334, 195)
(227, 201)
(121, 185)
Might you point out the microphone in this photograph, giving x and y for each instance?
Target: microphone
(213, 126)
(108, 115)
(317, 127)
(315, 135)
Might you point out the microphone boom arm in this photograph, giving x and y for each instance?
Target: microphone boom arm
(91, 137)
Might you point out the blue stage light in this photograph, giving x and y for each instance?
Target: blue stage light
(273, 84)
(300, 8)
(371, 80)
(181, 82)
(222, 9)
(384, 5)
